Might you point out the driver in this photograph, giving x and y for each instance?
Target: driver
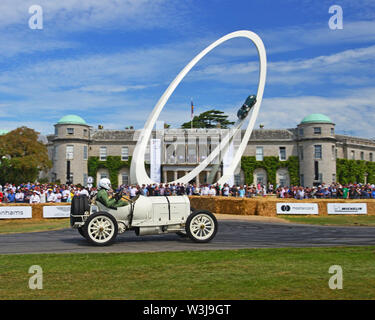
(104, 197)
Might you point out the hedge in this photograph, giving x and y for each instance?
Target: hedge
(353, 171)
(271, 165)
(113, 163)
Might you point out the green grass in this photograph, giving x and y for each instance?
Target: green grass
(16, 226)
(339, 220)
(293, 273)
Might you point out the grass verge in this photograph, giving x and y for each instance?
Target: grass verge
(16, 226)
(339, 220)
(295, 273)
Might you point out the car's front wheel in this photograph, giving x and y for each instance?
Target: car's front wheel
(100, 229)
(201, 226)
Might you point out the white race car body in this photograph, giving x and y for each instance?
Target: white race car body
(152, 212)
(146, 216)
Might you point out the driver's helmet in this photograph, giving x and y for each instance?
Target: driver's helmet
(104, 183)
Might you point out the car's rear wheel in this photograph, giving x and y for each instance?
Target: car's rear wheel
(201, 226)
(100, 229)
(182, 234)
(80, 230)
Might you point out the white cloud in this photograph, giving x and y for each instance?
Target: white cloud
(354, 63)
(92, 14)
(352, 110)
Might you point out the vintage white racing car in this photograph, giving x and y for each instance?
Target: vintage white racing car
(146, 216)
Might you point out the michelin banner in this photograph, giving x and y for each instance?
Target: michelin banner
(297, 208)
(56, 211)
(347, 208)
(16, 212)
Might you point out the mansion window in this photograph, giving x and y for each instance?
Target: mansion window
(282, 153)
(259, 154)
(85, 153)
(318, 151)
(103, 154)
(124, 179)
(70, 130)
(317, 130)
(69, 152)
(124, 153)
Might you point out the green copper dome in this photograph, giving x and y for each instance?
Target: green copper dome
(2, 132)
(316, 117)
(71, 119)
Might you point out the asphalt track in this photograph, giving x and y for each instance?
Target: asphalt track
(232, 234)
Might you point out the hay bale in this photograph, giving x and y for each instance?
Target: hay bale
(249, 206)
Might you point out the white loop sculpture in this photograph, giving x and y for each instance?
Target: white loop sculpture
(138, 172)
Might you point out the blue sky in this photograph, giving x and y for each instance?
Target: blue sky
(110, 61)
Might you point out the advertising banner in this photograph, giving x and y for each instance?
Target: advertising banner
(56, 211)
(227, 161)
(347, 208)
(155, 160)
(297, 208)
(16, 212)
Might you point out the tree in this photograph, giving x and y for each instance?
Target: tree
(22, 156)
(209, 119)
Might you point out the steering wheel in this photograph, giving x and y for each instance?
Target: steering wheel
(118, 195)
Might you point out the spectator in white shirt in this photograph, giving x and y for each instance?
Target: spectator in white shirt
(133, 192)
(204, 190)
(34, 198)
(42, 196)
(225, 190)
(212, 191)
(85, 192)
(19, 196)
(58, 196)
(65, 195)
(51, 197)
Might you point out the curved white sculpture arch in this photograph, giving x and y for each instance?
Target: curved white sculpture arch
(138, 172)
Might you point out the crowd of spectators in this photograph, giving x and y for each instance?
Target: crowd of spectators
(53, 193)
(39, 193)
(334, 190)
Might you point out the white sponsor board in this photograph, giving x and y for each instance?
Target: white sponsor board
(56, 211)
(227, 161)
(347, 208)
(297, 208)
(16, 212)
(155, 159)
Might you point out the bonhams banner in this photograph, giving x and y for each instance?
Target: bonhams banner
(16, 212)
(56, 211)
(347, 208)
(297, 208)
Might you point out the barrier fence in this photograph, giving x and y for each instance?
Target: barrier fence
(271, 206)
(34, 211)
(268, 206)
